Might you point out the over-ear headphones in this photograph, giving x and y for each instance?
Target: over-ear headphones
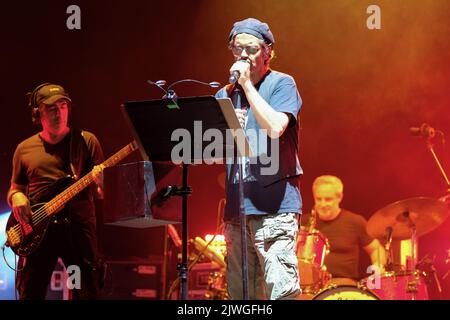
(32, 103)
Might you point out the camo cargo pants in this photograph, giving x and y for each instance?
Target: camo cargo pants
(271, 257)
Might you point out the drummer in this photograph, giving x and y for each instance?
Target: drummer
(346, 231)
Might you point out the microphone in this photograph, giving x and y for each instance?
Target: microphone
(424, 130)
(235, 75)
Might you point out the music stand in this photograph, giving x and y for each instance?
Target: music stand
(156, 124)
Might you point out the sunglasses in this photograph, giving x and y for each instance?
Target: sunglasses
(237, 50)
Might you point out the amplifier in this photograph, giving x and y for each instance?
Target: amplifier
(133, 280)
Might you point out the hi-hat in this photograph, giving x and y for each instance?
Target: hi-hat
(426, 214)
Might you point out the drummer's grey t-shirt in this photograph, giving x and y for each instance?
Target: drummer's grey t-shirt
(346, 235)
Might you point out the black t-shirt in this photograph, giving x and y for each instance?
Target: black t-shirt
(42, 166)
(346, 235)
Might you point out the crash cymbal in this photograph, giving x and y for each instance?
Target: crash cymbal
(425, 213)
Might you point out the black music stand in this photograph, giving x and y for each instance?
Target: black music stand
(156, 123)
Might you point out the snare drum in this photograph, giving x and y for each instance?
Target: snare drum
(398, 286)
(345, 292)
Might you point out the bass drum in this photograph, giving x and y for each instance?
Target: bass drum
(399, 286)
(345, 292)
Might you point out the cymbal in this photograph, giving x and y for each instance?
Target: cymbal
(425, 213)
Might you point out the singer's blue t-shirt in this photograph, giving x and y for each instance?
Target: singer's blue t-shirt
(278, 192)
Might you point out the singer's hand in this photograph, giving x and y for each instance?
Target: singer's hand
(243, 66)
(240, 114)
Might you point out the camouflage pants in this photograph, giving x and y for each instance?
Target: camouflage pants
(271, 258)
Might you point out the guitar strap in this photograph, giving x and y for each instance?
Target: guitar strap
(79, 154)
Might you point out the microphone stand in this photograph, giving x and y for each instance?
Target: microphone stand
(430, 146)
(436, 159)
(237, 102)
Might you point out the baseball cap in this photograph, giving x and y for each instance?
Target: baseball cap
(50, 93)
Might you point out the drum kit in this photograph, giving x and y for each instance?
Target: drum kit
(402, 222)
(405, 220)
(401, 279)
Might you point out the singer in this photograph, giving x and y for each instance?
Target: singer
(269, 100)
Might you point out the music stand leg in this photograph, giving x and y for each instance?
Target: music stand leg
(183, 267)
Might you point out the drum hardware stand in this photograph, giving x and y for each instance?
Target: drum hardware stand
(446, 262)
(426, 267)
(312, 221)
(388, 247)
(412, 285)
